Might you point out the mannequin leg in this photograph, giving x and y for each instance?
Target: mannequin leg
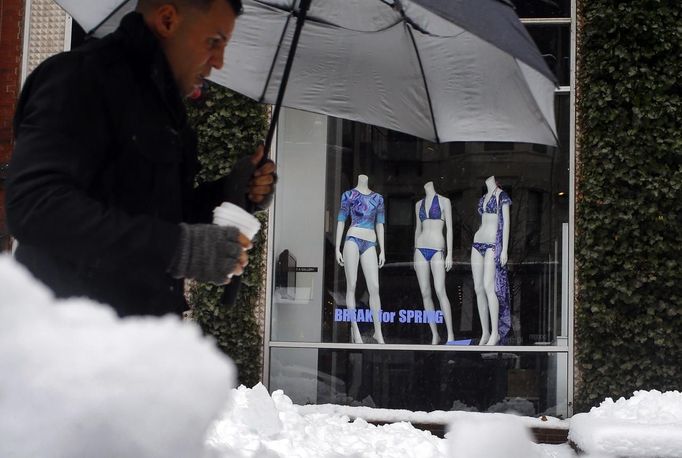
(370, 267)
(438, 272)
(422, 267)
(351, 256)
(477, 262)
(493, 302)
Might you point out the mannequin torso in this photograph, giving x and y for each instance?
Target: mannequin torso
(362, 232)
(488, 230)
(431, 235)
(365, 197)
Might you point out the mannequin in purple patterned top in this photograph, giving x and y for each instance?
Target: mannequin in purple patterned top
(366, 209)
(488, 264)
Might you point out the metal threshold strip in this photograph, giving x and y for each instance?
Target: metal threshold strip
(414, 347)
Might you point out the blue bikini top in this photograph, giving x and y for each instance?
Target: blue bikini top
(491, 206)
(434, 211)
(365, 210)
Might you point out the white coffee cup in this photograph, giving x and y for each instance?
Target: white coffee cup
(228, 214)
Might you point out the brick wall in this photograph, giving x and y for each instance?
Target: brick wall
(11, 21)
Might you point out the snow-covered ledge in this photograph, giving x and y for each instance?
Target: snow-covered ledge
(435, 417)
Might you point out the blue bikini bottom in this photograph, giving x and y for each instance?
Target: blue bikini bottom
(483, 247)
(363, 245)
(428, 252)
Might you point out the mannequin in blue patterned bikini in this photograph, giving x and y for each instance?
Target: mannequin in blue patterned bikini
(366, 209)
(488, 264)
(433, 254)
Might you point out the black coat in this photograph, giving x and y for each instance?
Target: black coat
(102, 173)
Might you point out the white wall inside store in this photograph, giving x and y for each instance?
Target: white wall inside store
(299, 228)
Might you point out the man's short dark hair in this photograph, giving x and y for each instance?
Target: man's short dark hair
(200, 4)
(205, 4)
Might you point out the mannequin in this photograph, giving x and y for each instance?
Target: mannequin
(366, 209)
(488, 261)
(433, 254)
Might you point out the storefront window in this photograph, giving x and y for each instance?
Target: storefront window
(381, 294)
(529, 384)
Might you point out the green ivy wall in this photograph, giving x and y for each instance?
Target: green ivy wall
(629, 198)
(230, 126)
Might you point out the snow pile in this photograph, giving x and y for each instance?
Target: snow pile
(485, 436)
(434, 417)
(291, 434)
(79, 382)
(262, 426)
(649, 424)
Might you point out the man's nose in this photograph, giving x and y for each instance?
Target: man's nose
(218, 58)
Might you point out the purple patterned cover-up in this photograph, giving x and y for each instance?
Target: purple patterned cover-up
(501, 277)
(365, 210)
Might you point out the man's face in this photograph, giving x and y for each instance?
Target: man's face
(195, 43)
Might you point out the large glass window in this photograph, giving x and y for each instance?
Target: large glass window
(530, 384)
(406, 334)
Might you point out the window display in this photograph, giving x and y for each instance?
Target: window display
(385, 238)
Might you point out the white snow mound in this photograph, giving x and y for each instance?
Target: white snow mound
(77, 381)
(649, 424)
(486, 436)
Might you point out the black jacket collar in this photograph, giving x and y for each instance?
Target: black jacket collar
(148, 58)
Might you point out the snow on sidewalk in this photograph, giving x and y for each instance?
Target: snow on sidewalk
(263, 426)
(649, 424)
(77, 381)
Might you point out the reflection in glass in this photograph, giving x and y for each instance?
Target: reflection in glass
(542, 8)
(529, 383)
(554, 42)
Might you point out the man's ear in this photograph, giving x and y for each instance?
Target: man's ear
(165, 20)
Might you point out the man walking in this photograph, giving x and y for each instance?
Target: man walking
(100, 190)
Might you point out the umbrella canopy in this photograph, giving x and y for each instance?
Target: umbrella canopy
(443, 70)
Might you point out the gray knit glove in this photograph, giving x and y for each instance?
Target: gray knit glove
(206, 253)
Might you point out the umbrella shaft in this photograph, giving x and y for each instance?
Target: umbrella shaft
(303, 11)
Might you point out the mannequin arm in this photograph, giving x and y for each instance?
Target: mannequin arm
(417, 228)
(339, 236)
(505, 235)
(380, 238)
(447, 210)
(418, 225)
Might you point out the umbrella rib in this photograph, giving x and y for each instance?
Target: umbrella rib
(274, 60)
(426, 86)
(332, 24)
(114, 11)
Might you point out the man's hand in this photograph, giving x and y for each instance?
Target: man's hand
(262, 183)
(243, 259)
